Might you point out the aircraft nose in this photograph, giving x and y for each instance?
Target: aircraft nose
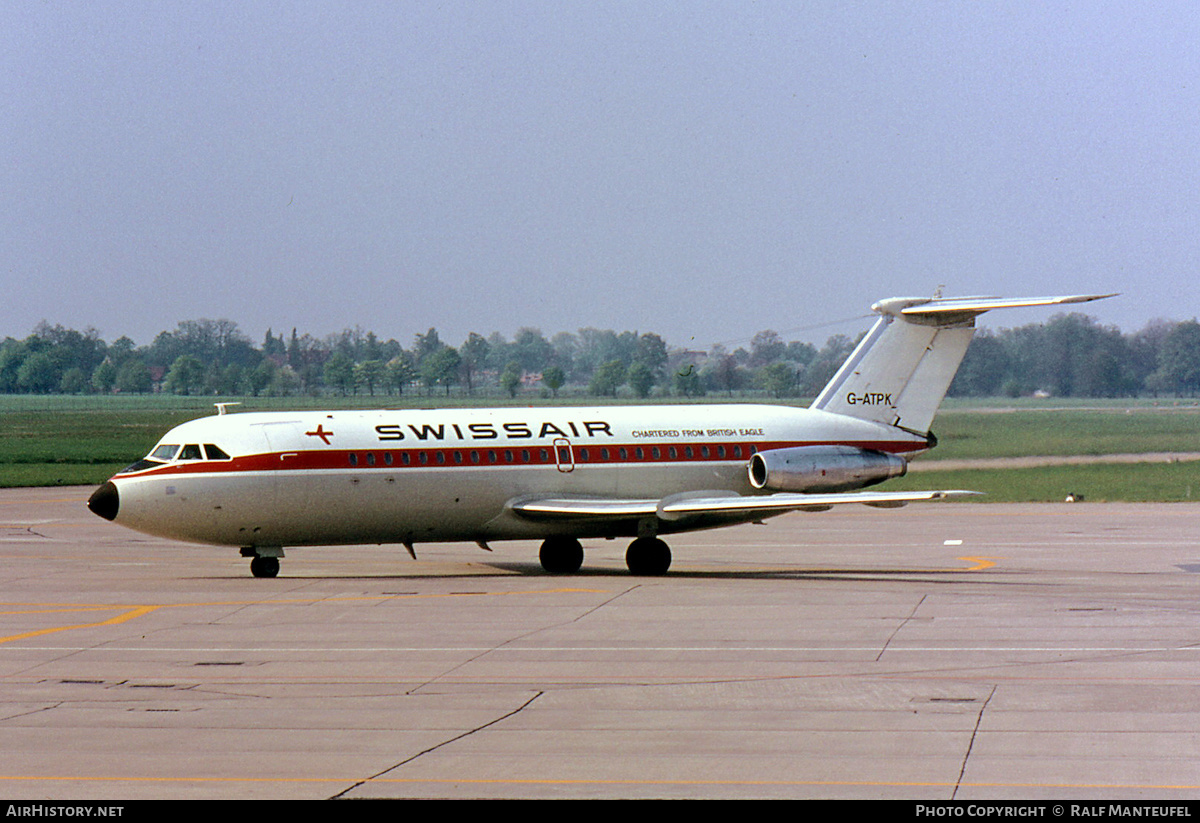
(105, 501)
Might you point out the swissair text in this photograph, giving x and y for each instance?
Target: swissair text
(493, 431)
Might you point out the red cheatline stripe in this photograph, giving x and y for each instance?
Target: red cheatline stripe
(498, 456)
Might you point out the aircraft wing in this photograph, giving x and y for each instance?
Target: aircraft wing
(571, 508)
(691, 504)
(671, 509)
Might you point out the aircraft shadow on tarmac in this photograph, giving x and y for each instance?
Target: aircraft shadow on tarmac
(534, 570)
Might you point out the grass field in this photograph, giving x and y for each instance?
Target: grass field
(1163, 482)
(965, 434)
(83, 440)
(74, 447)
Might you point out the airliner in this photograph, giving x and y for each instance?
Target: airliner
(263, 481)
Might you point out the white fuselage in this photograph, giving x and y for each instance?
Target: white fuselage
(419, 476)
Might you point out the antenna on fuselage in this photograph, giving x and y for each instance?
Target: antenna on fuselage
(223, 408)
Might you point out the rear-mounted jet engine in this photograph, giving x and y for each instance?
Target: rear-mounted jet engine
(822, 468)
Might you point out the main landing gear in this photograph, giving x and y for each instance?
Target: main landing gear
(561, 555)
(646, 556)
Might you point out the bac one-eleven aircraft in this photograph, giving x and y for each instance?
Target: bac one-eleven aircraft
(263, 481)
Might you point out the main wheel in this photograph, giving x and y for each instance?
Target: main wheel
(264, 566)
(648, 556)
(561, 555)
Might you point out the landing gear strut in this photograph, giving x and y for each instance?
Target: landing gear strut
(648, 557)
(561, 555)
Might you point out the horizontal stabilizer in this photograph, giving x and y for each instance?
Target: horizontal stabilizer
(978, 305)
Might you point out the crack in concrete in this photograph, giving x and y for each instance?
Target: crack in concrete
(971, 744)
(911, 616)
(447, 742)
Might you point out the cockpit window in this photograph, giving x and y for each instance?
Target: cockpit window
(144, 463)
(190, 452)
(215, 453)
(164, 452)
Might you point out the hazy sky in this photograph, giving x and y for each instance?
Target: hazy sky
(702, 170)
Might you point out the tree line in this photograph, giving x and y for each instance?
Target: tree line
(1071, 355)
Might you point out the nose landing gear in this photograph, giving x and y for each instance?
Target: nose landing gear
(264, 560)
(264, 566)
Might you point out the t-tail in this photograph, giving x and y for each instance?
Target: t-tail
(900, 372)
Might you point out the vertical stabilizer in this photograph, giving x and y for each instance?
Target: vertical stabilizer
(901, 370)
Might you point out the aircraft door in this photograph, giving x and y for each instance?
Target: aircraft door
(279, 438)
(564, 455)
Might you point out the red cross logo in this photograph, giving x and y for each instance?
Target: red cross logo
(321, 433)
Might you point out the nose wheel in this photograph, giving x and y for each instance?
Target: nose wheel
(264, 566)
(264, 560)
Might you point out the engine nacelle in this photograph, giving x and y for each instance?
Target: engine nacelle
(822, 468)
